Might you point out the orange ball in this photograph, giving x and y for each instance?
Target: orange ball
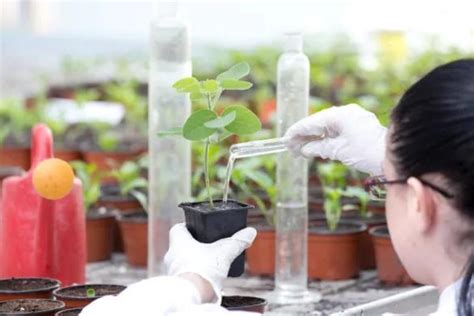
(53, 179)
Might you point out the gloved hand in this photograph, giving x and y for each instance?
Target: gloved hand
(353, 136)
(210, 261)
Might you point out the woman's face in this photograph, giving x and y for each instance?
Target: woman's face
(401, 223)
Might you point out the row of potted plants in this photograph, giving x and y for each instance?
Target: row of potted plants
(45, 297)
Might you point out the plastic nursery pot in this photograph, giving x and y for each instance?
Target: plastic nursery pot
(261, 255)
(76, 296)
(15, 157)
(69, 312)
(208, 225)
(366, 245)
(99, 231)
(22, 288)
(111, 198)
(134, 229)
(244, 303)
(334, 255)
(30, 307)
(389, 268)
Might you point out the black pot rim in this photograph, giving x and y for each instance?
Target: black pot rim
(77, 309)
(359, 227)
(60, 307)
(57, 293)
(56, 285)
(192, 204)
(263, 303)
(376, 231)
(92, 215)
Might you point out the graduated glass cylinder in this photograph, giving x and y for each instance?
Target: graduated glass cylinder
(292, 177)
(170, 157)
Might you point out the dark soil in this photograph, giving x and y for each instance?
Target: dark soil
(380, 231)
(219, 205)
(27, 285)
(140, 217)
(80, 291)
(100, 212)
(239, 301)
(321, 228)
(29, 306)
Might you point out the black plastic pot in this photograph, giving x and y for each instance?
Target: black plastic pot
(208, 225)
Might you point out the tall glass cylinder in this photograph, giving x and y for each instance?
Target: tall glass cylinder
(170, 157)
(292, 177)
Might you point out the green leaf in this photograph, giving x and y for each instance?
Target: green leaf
(171, 132)
(233, 84)
(196, 96)
(194, 128)
(222, 121)
(186, 84)
(90, 292)
(210, 86)
(236, 72)
(141, 198)
(246, 122)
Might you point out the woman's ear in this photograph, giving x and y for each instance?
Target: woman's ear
(421, 207)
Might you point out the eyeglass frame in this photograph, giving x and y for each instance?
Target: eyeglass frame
(369, 182)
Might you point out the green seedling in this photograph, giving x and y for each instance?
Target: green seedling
(90, 292)
(131, 182)
(209, 125)
(363, 198)
(90, 178)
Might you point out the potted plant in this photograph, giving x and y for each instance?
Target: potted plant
(211, 220)
(21, 288)
(99, 220)
(371, 219)
(79, 296)
(333, 245)
(31, 307)
(389, 268)
(15, 124)
(134, 223)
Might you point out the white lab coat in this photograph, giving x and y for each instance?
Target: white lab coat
(175, 296)
(158, 296)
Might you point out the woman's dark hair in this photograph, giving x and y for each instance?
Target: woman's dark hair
(433, 132)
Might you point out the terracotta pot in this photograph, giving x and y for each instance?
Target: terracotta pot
(76, 296)
(107, 161)
(70, 312)
(31, 307)
(244, 303)
(261, 255)
(389, 268)
(22, 288)
(111, 198)
(334, 255)
(67, 155)
(366, 245)
(100, 229)
(15, 157)
(134, 229)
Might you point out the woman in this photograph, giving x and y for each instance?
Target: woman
(424, 164)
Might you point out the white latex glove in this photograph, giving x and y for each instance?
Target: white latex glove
(353, 136)
(210, 261)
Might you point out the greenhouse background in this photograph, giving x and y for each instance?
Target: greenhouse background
(83, 68)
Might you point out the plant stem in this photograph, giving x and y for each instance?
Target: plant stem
(206, 173)
(206, 161)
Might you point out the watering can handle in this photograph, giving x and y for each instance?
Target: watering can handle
(42, 144)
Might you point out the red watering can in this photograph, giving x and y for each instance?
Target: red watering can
(40, 237)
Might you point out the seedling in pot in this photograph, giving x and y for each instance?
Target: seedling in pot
(90, 178)
(90, 292)
(209, 125)
(131, 182)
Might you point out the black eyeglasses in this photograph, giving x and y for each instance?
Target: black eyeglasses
(376, 187)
